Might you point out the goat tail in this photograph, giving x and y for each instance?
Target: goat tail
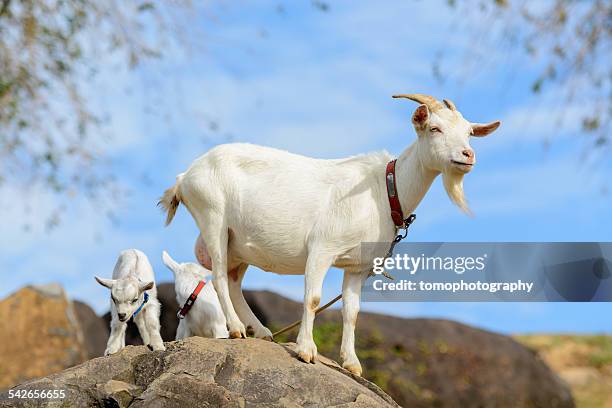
(171, 200)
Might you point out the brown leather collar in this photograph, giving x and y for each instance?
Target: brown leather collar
(396, 208)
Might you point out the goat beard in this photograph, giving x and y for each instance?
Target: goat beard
(453, 184)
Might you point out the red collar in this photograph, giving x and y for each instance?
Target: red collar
(396, 208)
(190, 300)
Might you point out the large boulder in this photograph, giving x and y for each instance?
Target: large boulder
(39, 334)
(430, 362)
(419, 362)
(199, 372)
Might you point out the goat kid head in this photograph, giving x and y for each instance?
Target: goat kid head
(185, 276)
(188, 269)
(443, 143)
(126, 294)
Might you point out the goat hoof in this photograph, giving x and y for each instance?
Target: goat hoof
(267, 338)
(110, 352)
(157, 347)
(307, 351)
(353, 368)
(150, 347)
(235, 335)
(250, 331)
(306, 357)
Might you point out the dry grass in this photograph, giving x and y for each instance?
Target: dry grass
(583, 361)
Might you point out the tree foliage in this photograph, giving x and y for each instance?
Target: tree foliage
(48, 50)
(569, 41)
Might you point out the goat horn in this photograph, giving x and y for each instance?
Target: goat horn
(429, 101)
(449, 104)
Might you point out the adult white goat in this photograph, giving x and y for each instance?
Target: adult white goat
(133, 293)
(292, 214)
(205, 317)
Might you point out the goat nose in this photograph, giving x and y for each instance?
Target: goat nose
(121, 316)
(469, 153)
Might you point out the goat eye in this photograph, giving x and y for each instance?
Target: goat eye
(435, 129)
(135, 300)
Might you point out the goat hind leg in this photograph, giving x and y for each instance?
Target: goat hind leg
(242, 307)
(216, 237)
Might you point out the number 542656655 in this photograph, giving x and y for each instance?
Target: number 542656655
(37, 394)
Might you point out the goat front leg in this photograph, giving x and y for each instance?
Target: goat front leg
(116, 340)
(351, 297)
(242, 307)
(142, 328)
(151, 319)
(316, 268)
(216, 238)
(182, 331)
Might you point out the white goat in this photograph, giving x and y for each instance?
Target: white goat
(205, 318)
(292, 214)
(133, 293)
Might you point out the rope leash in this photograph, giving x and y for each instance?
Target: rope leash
(298, 322)
(407, 222)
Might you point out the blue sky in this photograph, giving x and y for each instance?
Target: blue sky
(320, 84)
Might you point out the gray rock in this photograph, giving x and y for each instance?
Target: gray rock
(117, 393)
(199, 372)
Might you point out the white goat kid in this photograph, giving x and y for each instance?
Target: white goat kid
(205, 318)
(133, 291)
(292, 214)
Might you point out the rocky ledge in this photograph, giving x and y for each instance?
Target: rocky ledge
(199, 372)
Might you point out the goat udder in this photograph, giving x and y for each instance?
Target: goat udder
(201, 253)
(203, 258)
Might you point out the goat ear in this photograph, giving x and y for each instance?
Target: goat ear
(420, 116)
(108, 283)
(146, 286)
(484, 129)
(169, 262)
